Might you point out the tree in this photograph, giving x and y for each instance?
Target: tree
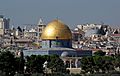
(20, 62)
(96, 63)
(100, 53)
(34, 64)
(87, 64)
(56, 64)
(7, 63)
(117, 61)
(107, 63)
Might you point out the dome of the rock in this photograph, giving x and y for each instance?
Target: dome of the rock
(56, 30)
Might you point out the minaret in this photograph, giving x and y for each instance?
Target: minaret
(40, 27)
(40, 22)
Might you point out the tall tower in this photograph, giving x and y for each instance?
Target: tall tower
(41, 26)
(4, 24)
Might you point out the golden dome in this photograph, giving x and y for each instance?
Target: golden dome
(56, 30)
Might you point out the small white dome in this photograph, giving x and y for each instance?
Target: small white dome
(64, 54)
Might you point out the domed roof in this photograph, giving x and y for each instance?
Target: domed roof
(68, 54)
(56, 30)
(64, 54)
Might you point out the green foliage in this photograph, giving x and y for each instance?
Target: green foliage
(95, 64)
(56, 64)
(100, 53)
(117, 61)
(34, 64)
(20, 65)
(46, 57)
(7, 63)
(87, 64)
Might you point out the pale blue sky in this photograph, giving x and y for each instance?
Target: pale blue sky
(71, 12)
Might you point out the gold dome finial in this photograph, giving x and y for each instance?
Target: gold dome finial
(56, 30)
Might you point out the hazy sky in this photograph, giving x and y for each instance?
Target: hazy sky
(71, 12)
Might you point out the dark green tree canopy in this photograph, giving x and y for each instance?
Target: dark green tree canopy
(34, 64)
(100, 53)
(96, 63)
(7, 63)
(56, 64)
